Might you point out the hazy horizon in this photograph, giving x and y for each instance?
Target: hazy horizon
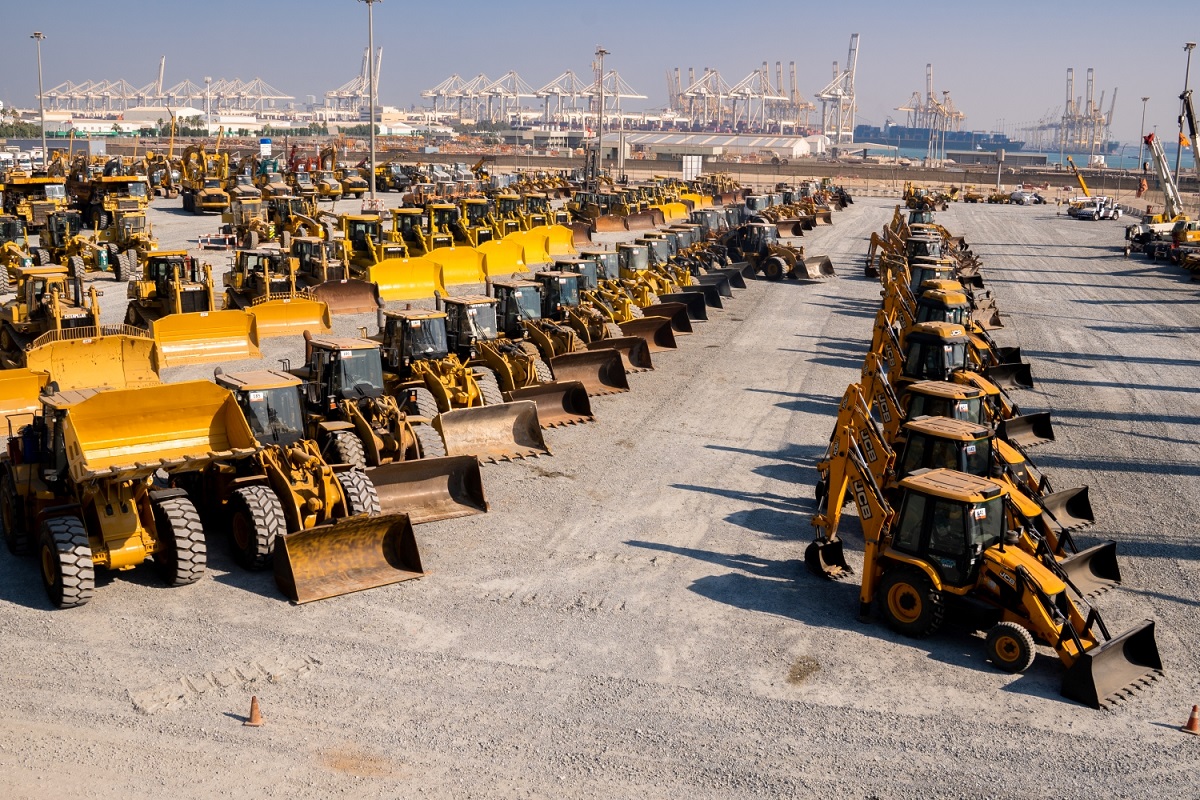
(1004, 66)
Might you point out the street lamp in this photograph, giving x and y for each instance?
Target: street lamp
(207, 103)
(1142, 135)
(1188, 47)
(371, 85)
(39, 36)
(600, 54)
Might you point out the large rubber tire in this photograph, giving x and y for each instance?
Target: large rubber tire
(542, 370)
(113, 252)
(183, 555)
(104, 220)
(636, 312)
(256, 519)
(614, 330)
(67, 570)
(120, 267)
(1010, 647)
(489, 387)
(577, 344)
(251, 241)
(909, 603)
(429, 441)
(426, 404)
(12, 517)
(361, 497)
(347, 449)
(5, 283)
(773, 268)
(285, 241)
(133, 271)
(42, 257)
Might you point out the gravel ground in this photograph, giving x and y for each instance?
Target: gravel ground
(633, 618)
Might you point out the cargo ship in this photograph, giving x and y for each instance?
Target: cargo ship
(918, 138)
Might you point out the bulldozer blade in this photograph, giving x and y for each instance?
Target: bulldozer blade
(203, 337)
(459, 265)
(350, 555)
(693, 302)
(986, 318)
(431, 489)
(720, 282)
(115, 361)
(1028, 430)
(737, 279)
(635, 355)
(1112, 671)
(681, 323)
(581, 233)
(654, 331)
(710, 293)
(814, 268)
(533, 245)
(502, 257)
(1094, 570)
(560, 241)
(1070, 508)
(600, 371)
(407, 278)
(502, 432)
(827, 560)
(656, 215)
(1010, 376)
(558, 403)
(640, 221)
(348, 296)
(611, 223)
(291, 316)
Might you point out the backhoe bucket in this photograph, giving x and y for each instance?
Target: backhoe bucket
(407, 278)
(1093, 570)
(1113, 670)
(493, 433)
(814, 268)
(116, 361)
(431, 489)
(640, 221)
(558, 403)
(459, 265)
(203, 337)
(987, 318)
(654, 331)
(502, 257)
(291, 316)
(676, 312)
(350, 555)
(1071, 508)
(827, 559)
(693, 303)
(635, 355)
(560, 241)
(349, 296)
(719, 282)
(1028, 430)
(1010, 376)
(600, 371)
(611, 223)
(710, 293)
(581, 234)
(533, 246)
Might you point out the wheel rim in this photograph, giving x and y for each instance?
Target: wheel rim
(242, 533)
(1008, 649)
(905, 602)
(49, 565)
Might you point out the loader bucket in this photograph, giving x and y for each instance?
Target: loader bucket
(676, 312)
(640, 221)
(1071, 508)
(827, 559)
(654, 331)
(600, 371)
(813, 268)
(1008, 355)
(560, 241)
(635, 355)
(581, 234)
(501, 432)
(746, 268)
(789, 227)
(710, 293)
(987, 318)
(737, 279)
(1010, 376)
(1114, 669)
(692, 301)
(823, 217)
(204, 337)
(558, 403)
(19, 393)
(533, 246)
(350, 555)
(610, 223)
(459, 265)
(407, 278)
(291, 316)
(718, 282)
(502, 257)
(430, 489)
(1093, 570)
(349, 296)
(116, 361)
(1028, 430)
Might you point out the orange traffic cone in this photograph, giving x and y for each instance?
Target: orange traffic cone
(255, 719)
(1193, 723)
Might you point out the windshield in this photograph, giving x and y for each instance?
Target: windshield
(274, 414)
(536, 203)
(328, 176)
(482, 319)
(568, 292)
(985, 524)
(245, 180)
(929, 312)
(636, 258)
(56, 191)
(444, 216)
(358, 368)
(212, 183)
(976, 458)
(138, 189)
(427, 337)
(934, 360)
(476, 213)
(529, 302)
(303, 178)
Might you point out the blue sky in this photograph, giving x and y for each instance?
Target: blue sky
(1000, 61)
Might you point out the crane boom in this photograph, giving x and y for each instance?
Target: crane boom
(1173, 206)
(1082, 183)
(1189, 114)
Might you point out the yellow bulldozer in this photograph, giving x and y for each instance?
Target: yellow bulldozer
(263, 284)
(322, 269)
(46, 299)
(473, 227)
(381, 256)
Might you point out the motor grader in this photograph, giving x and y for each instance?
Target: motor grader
(87, 485)
(263, 283)
(381, 256)
(129, 241)
(322, 269)
(46, 299)
(268, 177)
(354, 421)
(248, 222)
(473, 334)
(63, 241)
(14, 251)
(469, 405)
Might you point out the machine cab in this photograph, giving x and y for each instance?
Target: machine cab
(633, 258)
(270, 402)
(938, 442)
(415, 336)
(941, 399)
(939, 305)
(933, 350)
(60, 227)
(586, 269)
(343, 369)
(517, 301)
(560, 291)
(468, 320)
(923, 247)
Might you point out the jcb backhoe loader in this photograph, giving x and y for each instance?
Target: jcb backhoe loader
(263, 284)
(944, 544)
(382, 257)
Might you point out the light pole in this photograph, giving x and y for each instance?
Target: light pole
(1142, 135)
(1188, 47)
(207, 103)
(600, 54)
(39, 36)
(371, 86)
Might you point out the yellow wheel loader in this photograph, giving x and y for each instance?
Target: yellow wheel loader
(382, 257)
(758, 243)
(263, 284)
(473, 334)
(470, 410)
(944, 545)
(354, 421)
(173, 298)
(88, 484)
(322, 269)
(561, 302)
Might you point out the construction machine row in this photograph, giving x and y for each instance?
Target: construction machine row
(957, 519)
